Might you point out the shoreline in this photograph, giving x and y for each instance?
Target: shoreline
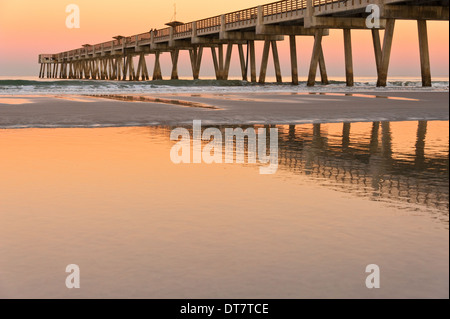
(119, 110)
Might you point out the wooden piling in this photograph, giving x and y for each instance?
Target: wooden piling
(294, 65)
(386, 52)
(348, 57)
(264, 62)
(317, 49)
(424, 53)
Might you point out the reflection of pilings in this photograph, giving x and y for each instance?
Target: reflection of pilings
(382, 177)
(363, 168)
(318, 142)
(386, 140)
(291, 132)
(420, 144)
(346, 136)
(374, 137)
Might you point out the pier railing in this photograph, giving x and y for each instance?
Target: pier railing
(144, 36)
(183, 31)
(209, 25)
(246, 15)
(285, 9)
(162, 35)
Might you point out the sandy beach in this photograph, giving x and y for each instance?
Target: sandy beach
(19, 111)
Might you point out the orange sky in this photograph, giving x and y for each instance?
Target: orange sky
(30, 27)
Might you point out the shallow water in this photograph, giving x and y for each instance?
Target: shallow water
(111, 201)
(34, 85)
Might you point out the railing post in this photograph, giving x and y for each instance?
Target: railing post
(194, 29)
(171, 34)
(222, 23)
(260, 15)
(309, 14)
(222, 27)
(152, 39)
(260, 20)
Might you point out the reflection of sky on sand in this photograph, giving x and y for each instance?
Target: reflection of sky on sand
(111, 201)
(14, 101)
(270, 97)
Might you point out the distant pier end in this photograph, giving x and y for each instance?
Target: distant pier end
(270, 23)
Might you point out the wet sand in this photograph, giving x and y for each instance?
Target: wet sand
(234, 108)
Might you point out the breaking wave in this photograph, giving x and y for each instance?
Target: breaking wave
(21, 86)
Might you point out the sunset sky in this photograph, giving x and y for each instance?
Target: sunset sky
(29, 27)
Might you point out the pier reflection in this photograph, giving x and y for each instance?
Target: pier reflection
(373, 160)
(403, 163)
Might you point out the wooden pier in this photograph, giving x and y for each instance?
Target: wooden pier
(270, 23)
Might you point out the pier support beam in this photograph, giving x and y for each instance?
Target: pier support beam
(113, 68)
(317, 49)
(252, 61)
(139, 68)
(226, 70)
(424, 53)
(124, 66)
(70, 70)
(119, 68)
(102, 69)
(110, 68)
(143, 68)
(348, 57)
(243, 62)
(91, 69)
(294, 65)
(377, 49)
(196, 55)
(318, 59)
(215, 62)
(106, 65)
(265, 61)
(386, 52)
(87, 73)
(157, 75)
(132, 75)
(221, 63)
(323, 68)
(62, 70)
(174, 55)
(276, 61)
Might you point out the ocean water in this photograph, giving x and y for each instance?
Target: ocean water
(111, 201)
(33, 85)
